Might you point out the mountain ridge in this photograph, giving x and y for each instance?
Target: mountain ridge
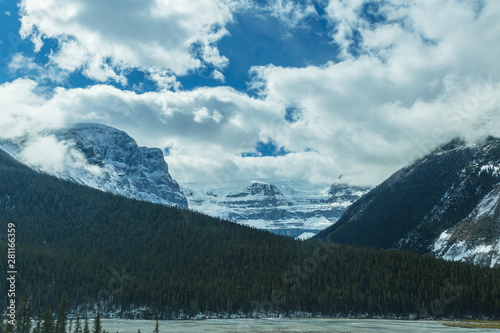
(413, 207)
(292, 209)
(118, 164)
(136, 259)
(110, 160)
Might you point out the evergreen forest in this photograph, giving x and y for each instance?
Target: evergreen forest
(134, 259)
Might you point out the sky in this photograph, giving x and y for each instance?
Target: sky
(322, 91)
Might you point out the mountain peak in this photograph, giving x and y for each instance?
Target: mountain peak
(417, 204)
(124, 167)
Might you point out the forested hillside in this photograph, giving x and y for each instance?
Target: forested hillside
(123, 255)
(414, 207)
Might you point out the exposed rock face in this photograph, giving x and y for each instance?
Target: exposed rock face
(293, 210)
(123, 167)
(475, 239)
(445, 204)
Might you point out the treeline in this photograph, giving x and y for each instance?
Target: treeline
(137, 259)
(27, 322)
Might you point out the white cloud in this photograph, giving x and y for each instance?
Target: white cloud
(28, 67)
(196, 125)
(291, 12)
(426, 74)
(105, 37)
(217, 75)
(50, 154)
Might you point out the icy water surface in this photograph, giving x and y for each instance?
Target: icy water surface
(282, 325)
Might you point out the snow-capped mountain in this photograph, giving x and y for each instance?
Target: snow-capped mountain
(446, 203)
(290, 208)
(110, 160)
(476, 238)
(113, 163)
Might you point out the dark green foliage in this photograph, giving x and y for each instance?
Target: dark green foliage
(123, 254)
(78, 325)
(97, 323)
(9, 328)
(157, 327)
(48, 324)
(62, 315)
(23, 315)
(405, 203)
(86, 328)
(38, 327)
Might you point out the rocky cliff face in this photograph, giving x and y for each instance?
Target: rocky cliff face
(120, 165)
(291, 209)
(445, 204)
(476, 238)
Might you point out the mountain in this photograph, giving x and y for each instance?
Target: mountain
(445, 204)
(289, 208)
(476, 238)
(113, 162)
(117, 164)
(131, 258)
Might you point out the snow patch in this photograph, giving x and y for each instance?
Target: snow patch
(305, 235)
(487, 206)
(441, 242)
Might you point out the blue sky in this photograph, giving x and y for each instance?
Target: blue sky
(254, 38)
(301, 90)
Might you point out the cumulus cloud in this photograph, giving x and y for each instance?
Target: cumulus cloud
(196, 125)
(418, 75)
(103, 38)
(411, 78)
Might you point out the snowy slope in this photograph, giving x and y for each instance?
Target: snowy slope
(113, 163)
(445, 204)
(475, 239)
(290, 208)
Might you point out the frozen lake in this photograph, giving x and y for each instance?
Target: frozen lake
(282, 325)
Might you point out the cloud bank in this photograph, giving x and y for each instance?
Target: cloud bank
(409, 78)
(106, 38)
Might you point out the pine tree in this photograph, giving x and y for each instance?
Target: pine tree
(62, 315)
(23, 320)
(97, 323)
(1, 323)
(48, 322)
(86, 326)
(9, 328)
(78, 325)
(38, 328)
(157, 328)
(70, 325)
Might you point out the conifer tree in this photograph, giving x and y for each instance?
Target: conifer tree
(23, 318)
(38, 328)
(9, 328)
(48, 322)
(86, 326)
(97, 323)
(62, 315)
(1, 323)
(78, 325)
(157, 328)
